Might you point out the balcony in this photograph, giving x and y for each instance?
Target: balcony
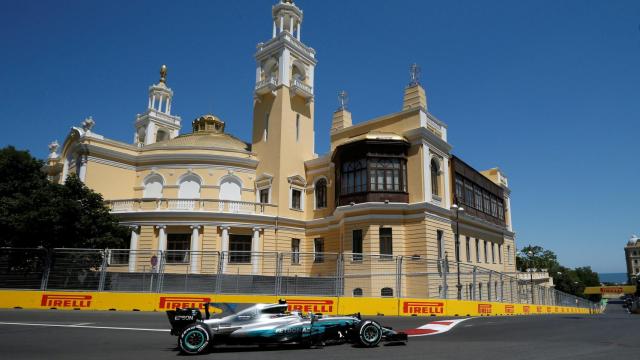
(266, 86)
(299, 88)
(198, 205)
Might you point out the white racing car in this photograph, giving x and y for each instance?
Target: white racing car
(271, 324)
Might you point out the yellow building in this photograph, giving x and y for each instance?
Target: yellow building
(386, 189)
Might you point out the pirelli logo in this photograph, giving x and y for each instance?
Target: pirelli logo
(174, 302)
(549, 309)
(509, 309)
(315, 306)
(526, 309)
(66, 301)
(539, 309)
(423, 307)
(484, 308)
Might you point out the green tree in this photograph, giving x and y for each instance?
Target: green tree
(37, 213)
(570, 281)
(536, 257)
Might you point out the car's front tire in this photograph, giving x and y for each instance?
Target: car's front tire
(369, 333)
(194, 340)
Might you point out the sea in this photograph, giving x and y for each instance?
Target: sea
(615, 278)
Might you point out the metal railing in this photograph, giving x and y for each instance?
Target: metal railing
(268, 273)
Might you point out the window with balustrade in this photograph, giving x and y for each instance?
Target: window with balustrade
(153, 185)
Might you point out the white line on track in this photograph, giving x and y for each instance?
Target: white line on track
(82, 326)
(434, 327)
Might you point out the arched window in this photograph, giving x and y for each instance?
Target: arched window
(230, 188)
(321, 193)
(162, 135)
(298, 72)
(386, 292)
(357, 292)
(189, 187)
(435, 169)
(153, 185)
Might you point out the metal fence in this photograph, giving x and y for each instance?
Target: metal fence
(268, 273)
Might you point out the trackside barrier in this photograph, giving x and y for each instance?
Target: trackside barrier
(76, 300)
(386, 278)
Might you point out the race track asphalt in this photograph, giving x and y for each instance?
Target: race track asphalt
(608, 336)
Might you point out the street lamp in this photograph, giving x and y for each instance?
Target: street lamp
(530, 256)
(458, 209)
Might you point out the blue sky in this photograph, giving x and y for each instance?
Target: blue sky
(546, 90)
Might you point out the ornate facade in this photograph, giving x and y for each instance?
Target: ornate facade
(386, 186)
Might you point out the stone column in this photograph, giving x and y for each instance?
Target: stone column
(225, 247)
(82, 174)
(255, 247)
(298, 32)
(160, 103)
(281, 23)
(446, 199)
(153, 102)
(291, 26)
(274, 28)
(196, 254)
(426, 163)
(133, 247)
(162, 237)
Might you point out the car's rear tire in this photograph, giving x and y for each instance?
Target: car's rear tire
(194, 340)
(369, 333)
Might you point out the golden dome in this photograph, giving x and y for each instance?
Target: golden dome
(208, 132)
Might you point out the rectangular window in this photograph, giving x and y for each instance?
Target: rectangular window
(178, 248)
(440, 239)
(295, 251)
(486, 202)
(500, 209)
(264, 196)
(486, 253)
(459, 191)
(266, 127)
(478, 193)
(386, 241)
(493, 253)
(468, 194)
(494, 206)
(297, 127)
(468, 247)
(239, 249)
(296, 199)
(356, 247)
(499, 253)
(318, 250)
(477, 250)
(509, 254)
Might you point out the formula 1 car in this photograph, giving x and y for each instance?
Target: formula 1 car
(272, 324)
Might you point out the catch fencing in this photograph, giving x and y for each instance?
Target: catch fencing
(269, 273)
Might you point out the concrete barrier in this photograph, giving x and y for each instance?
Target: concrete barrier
(62, 300)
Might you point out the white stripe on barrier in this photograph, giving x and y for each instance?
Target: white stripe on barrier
(82, 326)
